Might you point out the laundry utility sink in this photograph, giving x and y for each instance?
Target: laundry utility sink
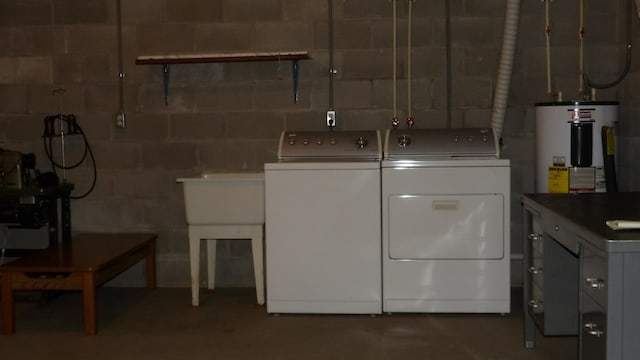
(224, 198)
(227, 206)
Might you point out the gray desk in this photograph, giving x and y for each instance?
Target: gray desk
(580, 277)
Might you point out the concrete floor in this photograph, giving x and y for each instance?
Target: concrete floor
(136, 323)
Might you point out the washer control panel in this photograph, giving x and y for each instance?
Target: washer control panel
(441, 143)
(298, 145)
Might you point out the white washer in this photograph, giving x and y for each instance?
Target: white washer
(445, 211)
(323, 237)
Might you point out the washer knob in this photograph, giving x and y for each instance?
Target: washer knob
(404, 140)
(362, 142)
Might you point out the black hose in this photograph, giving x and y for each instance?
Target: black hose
(627, 65)
(73, 128)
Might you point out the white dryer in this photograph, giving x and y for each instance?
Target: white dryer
(323, 237)
(445, 227)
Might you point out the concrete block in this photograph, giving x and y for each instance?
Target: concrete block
(13, 99)
(21, 13)
(225, 96)
(254, 125)
(26, 70)
(353, 94)
(124, 156)
(85, 40)
(283, 36)
(81, 12)
(26, 41)
(194, 10)
(143, 11)
(252, 11)
(169, 156)
(197, 126)
(308, 11)
(101, 97)
(359, 34)
(223, 37)
(272, 95)
(167, 39)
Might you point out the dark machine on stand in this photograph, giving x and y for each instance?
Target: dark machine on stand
(30, 199)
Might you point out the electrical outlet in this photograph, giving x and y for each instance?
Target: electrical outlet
(331, 118)
(121, 120)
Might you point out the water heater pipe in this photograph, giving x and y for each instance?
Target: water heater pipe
(505, 68)
(547, 31)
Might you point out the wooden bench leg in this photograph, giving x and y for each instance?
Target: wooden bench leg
(89, 296)
(8, 306)
(150, 265)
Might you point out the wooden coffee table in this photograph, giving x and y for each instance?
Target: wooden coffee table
(82, 264)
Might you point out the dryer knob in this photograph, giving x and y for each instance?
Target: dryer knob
(362, 142)
(404, 140)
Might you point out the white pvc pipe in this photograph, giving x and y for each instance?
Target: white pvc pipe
(509, 38)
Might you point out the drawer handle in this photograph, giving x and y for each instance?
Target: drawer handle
(535, 270)
(594, 282)
(535, 304)
(592, 329)
(534, 236)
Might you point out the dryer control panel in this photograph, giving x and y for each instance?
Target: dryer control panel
(441, 143)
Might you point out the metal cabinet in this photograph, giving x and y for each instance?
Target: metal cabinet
(580, 276)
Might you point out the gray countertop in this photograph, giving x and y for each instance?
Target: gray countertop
(587, 214)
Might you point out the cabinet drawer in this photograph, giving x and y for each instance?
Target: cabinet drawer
(594, 276)
(594, 330)
(561, 234)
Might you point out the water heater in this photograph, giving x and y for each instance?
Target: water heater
(570, 143)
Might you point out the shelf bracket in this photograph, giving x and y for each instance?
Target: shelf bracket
(295, 68)
(165, 81)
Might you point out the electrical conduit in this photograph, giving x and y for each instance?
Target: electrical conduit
(506, 65)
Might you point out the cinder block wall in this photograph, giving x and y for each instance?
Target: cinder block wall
(227, 116)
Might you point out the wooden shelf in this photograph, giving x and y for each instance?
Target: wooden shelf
(222, 57)
(166, 60)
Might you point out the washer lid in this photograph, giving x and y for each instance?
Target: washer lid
(441, 143)
(306, 145)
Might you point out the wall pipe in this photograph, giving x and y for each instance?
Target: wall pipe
(581, 89)
(331, 114)
(447, 9)
(506, 66)
(410, 120)
(394, 50)
(120, 116)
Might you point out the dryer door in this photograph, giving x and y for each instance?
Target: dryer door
(443, 226)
